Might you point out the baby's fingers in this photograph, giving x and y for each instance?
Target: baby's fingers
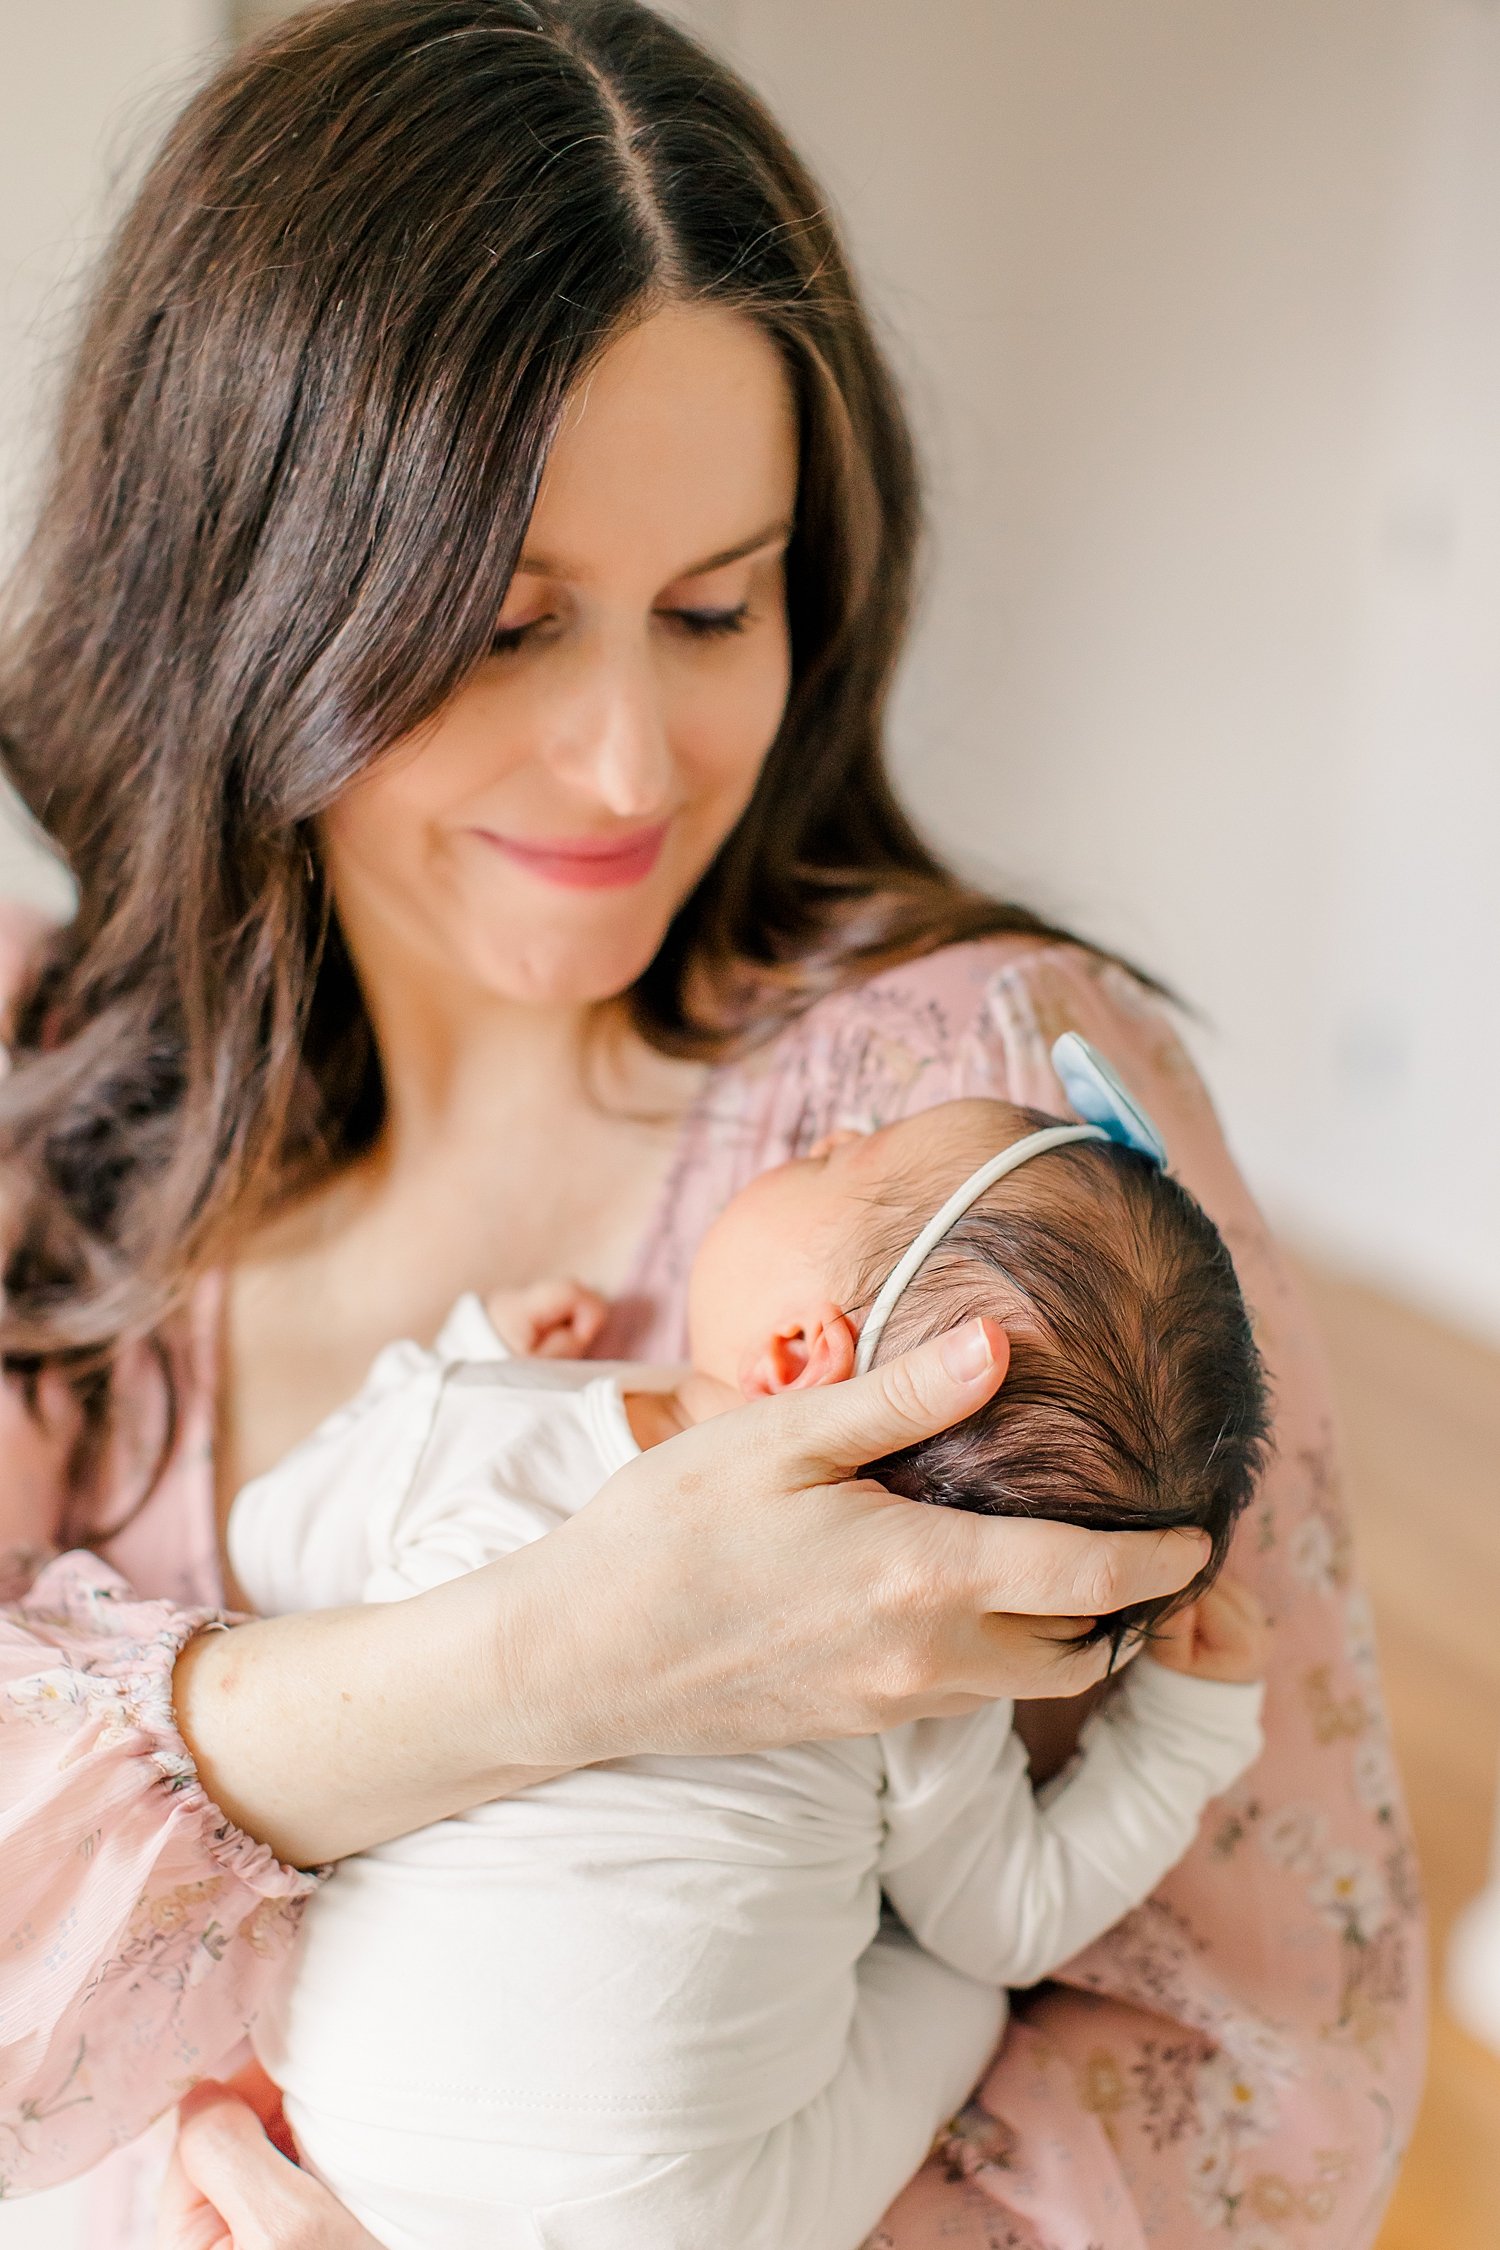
(1233, 1638)
(1231, 1610)
(1171, 1639)
(570, 1322)
(550, 1320)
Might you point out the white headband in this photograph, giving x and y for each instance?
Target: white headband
(1097, 1093)
(942, 1222)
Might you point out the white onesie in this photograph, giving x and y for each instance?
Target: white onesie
(652, 2005)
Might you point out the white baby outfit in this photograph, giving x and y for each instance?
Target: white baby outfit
(652, 2005)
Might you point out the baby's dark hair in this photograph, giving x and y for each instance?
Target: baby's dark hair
(1135, 1398)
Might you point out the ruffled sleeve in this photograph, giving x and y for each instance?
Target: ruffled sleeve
(138, 1927)
(1241, 2058)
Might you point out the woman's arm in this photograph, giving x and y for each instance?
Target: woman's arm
(728, 1590)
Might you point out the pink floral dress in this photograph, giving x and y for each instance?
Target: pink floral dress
(1236, 2062)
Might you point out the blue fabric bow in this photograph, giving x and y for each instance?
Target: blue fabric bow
(1096, 1094)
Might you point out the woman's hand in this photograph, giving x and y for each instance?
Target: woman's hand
(739, 1587)
(228, 2188)
(734, 1588)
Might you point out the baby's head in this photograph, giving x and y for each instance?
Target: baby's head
(1135, 1395)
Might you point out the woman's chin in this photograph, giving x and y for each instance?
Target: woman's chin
(569, 976)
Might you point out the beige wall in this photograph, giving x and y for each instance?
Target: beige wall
(1197, 306)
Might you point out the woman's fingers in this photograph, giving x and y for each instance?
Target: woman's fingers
(828, 1434)
(264, 2202)
(1036, 1567)
(184, 2221)
(259, 2090)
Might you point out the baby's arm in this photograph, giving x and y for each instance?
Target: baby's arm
(1007, 1889)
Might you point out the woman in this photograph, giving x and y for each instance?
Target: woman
(453, 662)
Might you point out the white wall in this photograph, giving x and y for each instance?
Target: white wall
(1199, 310)
(1409, 1152)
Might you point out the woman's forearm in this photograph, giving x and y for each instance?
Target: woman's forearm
(323, 1734)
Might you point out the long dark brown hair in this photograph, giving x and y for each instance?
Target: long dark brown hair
(328, 352)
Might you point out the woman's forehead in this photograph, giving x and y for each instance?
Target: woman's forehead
(681, 439)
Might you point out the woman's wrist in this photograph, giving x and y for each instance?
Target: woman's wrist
(326, 1733)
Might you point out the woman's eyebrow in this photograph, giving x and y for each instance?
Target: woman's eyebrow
(548, 566)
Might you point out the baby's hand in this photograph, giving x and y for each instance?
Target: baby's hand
(550, 1320)
(1221, 1636)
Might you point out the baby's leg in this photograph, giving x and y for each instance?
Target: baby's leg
(919, 2040)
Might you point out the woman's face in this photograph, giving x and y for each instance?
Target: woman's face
(536, 839)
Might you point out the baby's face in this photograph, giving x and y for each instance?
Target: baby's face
(783, 1249)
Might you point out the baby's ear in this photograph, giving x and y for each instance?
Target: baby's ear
(802, 1355)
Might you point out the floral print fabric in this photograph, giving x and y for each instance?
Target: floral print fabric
(1237, 2062)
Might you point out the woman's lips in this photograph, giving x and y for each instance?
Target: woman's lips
(585, 863)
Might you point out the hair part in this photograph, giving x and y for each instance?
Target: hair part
(1135, 1398)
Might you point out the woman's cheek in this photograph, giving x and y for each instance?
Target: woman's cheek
(729, 729)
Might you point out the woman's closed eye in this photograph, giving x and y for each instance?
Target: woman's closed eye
(709, 624)
(697, 624)
(508, 638)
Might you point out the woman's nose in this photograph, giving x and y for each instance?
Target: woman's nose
(614, 748)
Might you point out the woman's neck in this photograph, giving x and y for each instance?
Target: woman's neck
(520, 1141)
(466, 1070)
(455, 1077)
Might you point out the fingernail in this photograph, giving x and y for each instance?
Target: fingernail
(967, 1352)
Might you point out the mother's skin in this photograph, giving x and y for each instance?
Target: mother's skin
(611, 706)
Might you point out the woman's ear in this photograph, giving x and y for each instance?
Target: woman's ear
(803, 1355)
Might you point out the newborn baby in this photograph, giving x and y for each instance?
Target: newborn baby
(666, 2002)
